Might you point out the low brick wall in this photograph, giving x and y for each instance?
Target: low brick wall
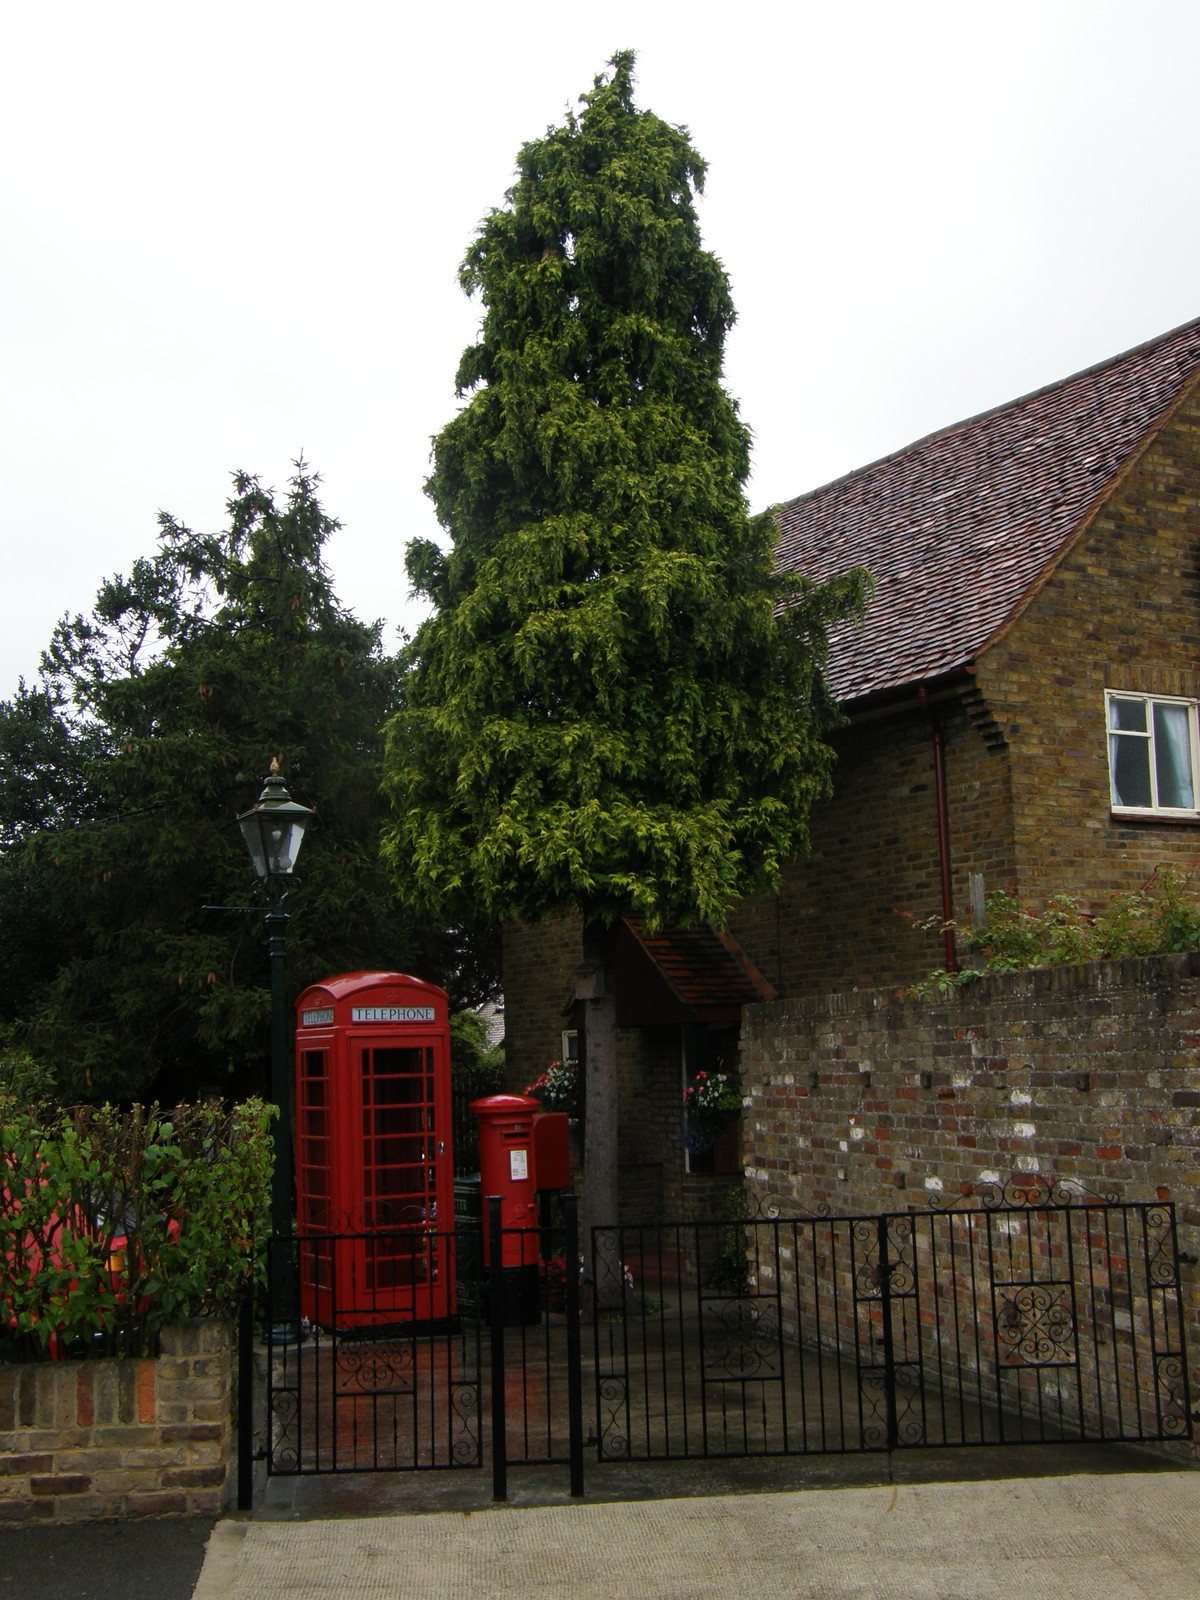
(870, 1101)
(82, 1439)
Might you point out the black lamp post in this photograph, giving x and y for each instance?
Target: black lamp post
(274, 831)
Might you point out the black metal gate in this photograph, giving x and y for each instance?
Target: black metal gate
(360, 1391)
(1027, 1317)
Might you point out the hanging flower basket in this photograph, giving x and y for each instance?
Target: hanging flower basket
(712, 1103)
(557, 1088)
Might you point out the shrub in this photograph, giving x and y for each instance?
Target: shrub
(115, 1223)
(474, 1060)
(1160, 917)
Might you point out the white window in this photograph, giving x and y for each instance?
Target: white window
(1152, 752)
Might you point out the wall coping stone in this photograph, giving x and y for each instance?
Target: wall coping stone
(1084, 977)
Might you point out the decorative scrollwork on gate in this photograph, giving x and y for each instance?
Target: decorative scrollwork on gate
(386, 1367)
(910, 1413)
(901, 1265)
(741, 1340)
(464, 1424)
(872, 1389)
(614, 1440)
(867, 1282)
(1171, 1380)
(606, 1243)
(910, 1416)
(1024, 1191)
(285, 1441)
(1035, 1325)
(1161, 1270)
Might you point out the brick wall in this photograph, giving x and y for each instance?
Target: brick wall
(539, 984)
(867, 1102)
(848, 914)
(1122, 611)
(650, 1156)
(84, 1439)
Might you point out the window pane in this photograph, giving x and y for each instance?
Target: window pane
(1130, 762)
(396, 1091)
(1173, 756)
(398, 1059)
(1128, 715)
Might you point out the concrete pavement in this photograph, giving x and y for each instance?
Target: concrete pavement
(1114, 1536)
(1085, 1522)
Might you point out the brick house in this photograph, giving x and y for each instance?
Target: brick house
(1021, 699)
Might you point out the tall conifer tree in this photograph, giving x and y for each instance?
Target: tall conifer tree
(615, 704)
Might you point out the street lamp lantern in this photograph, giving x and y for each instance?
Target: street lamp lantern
(274, 830)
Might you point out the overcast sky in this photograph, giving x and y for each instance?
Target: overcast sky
(230, 234)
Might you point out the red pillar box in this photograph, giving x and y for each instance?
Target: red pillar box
(374, 1168)
(506, 1168)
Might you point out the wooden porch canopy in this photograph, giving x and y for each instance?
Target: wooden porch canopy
(681, 975)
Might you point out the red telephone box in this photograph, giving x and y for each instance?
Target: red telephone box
(374, 1166)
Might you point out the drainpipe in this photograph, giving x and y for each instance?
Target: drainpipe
(943, 827)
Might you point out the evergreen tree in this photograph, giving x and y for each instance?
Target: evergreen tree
(120, 780)
(615, 703)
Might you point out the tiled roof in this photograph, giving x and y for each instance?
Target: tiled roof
(958, 529)
(704, 968)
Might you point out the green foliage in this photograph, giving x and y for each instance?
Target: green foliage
(475, 1063)
(615, 703)
(121, 777)
(114, 1224)
(25, 1082)
(1160, 917)
(727, 1269)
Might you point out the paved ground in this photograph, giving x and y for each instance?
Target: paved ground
(1114, 1537)
(1057, 1522)
(103, 1561)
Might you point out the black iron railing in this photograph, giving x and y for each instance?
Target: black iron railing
(1002, 1324)
(386, 1371)
(1027, 1317)
(379, 1373)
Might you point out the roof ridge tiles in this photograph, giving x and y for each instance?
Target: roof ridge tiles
(1014, 404)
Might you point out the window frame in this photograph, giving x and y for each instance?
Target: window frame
(1154, 811)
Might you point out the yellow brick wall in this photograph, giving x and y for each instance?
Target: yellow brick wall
(1121, 612)
(850, 914)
